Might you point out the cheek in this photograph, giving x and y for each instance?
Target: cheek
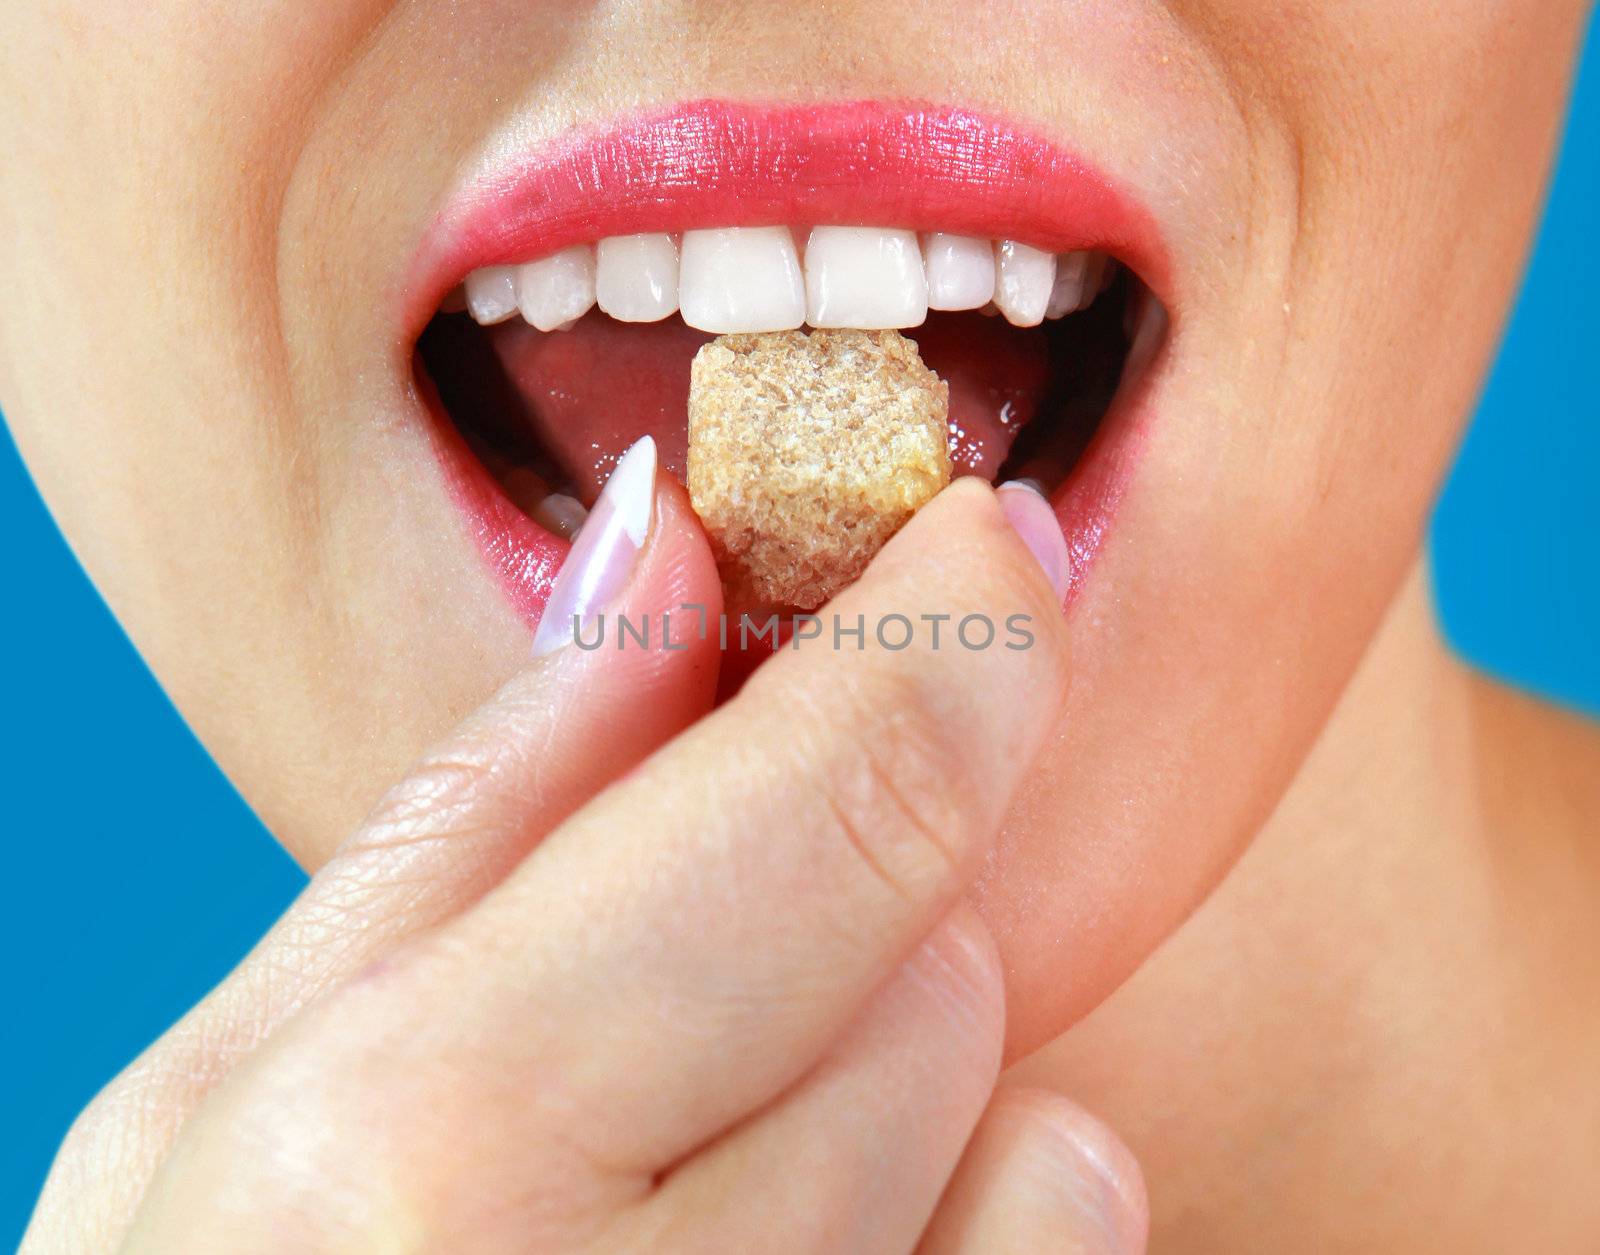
(1397, 179)
(1205, 662)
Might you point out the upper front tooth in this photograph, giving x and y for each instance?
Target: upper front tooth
(636, 277)
(741, 279)
(1067, 294)
(864, 277)
(960, 271)
(492, 294)
(557, 290)
(1024, 280)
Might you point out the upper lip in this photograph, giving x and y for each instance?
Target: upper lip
(715, 163)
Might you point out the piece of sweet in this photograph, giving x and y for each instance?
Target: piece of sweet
(807, 453)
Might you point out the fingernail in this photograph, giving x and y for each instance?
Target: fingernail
(1033, 518)
(602, 559)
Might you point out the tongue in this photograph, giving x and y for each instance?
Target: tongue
(590, 392)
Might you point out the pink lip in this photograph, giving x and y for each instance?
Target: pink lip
(714, 163)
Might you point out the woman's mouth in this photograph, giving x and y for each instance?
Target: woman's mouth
(560, 301)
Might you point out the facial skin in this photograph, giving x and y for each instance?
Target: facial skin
(208, 212)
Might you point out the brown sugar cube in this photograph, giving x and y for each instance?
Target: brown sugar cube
(806, 453)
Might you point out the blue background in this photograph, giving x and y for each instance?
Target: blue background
(136, 877)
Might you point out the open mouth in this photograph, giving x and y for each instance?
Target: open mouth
(568, 297)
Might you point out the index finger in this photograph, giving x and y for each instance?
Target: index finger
(706, 927)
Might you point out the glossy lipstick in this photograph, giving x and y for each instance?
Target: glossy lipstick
(720, 164)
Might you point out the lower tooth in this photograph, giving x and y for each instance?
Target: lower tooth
(561, 514)
(523, 487)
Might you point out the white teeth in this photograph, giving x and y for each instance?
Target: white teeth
(1095, 276)
(492, 294)
(1080, 278)
(1067, 294)
(960, 271)
(636, 277)
(741, 279)
(747, 279)
(864, 277)
(1149, 330)
(561, 514)
(1024, 278)
(557, 290)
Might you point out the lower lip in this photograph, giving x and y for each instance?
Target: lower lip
(713, 163)
(525, 557)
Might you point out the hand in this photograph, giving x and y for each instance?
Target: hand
(609, 972)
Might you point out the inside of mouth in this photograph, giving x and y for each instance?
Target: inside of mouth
(549, 412)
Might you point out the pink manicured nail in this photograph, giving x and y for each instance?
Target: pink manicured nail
(602, 559)
(1034, 519)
